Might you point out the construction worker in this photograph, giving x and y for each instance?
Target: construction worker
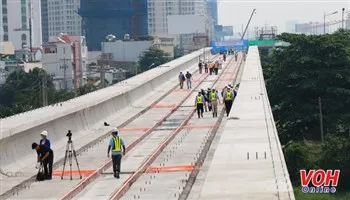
(181, 80)
(224, 90)
(189, 80)
(116, 144)
(228, 98)
(208, 98)
(205, 100)
(199, 102)
(45, 157)
(214, 99)
(211, 68)
(44, 139)
(206, 67)
(216, 67)
(200, 66)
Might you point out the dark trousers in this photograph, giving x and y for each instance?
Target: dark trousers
(210, 71)
(228, 106)
(200, 109)
(216, 71)
(47, 163)
(181, 84)
(206, 69)
(200, 69)
(116, 159)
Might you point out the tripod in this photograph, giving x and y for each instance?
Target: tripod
(70, 153)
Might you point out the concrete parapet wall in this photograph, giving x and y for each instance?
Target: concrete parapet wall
(248, 162)
(84, 113)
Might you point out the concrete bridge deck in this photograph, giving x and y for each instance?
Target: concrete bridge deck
(248, 162)
(242, 155)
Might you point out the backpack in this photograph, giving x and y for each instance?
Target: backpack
(188, 76)
(182, 77)
(41, 175)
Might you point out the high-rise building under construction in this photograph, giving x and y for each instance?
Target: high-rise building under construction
(116, 17)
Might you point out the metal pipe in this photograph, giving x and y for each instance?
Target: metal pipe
(248, 24)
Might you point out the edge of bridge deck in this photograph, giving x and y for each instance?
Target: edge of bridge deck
(24, 121)
(248, 162)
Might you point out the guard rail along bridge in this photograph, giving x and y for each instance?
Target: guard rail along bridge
(171, 154)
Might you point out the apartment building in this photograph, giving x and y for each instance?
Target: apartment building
(65, 58)
(60, 17)
(21, 19)
(158, 11)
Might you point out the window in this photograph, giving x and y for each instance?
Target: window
(4, 19)
(24, 19)
(4, 2)
(4, 10)
(23, 2)
(6, 29)
(23, 10)
(24, 37)
(6, 37)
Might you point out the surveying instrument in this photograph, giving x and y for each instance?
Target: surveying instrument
(70, 153)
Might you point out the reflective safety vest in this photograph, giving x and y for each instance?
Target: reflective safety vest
(199, 99)
(117, 144)
(213, 96)
(228, 95)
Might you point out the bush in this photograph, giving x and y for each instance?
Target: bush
(336, 155)
(296, 156)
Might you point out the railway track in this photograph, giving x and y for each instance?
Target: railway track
(176, 184)
(19, 189)
(158, 135)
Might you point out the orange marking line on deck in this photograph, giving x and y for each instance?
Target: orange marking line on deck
(170, 169)
(134, 129)
(200, 126)
(86, 172)
(164, 106)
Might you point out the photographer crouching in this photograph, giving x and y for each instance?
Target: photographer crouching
(45, 156)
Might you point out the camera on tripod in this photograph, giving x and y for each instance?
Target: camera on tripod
(69, 135)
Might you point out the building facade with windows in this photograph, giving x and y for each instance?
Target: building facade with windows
(65, 58)
(60, 17)
(17, 17)
(117, 17)
(213, 10)
(158, 12)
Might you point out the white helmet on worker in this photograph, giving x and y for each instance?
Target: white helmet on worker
(44, 133)
(115, 130)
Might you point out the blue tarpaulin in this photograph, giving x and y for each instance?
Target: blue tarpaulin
(224, 46)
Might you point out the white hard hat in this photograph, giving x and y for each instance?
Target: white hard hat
(115, 130)
(44, 133)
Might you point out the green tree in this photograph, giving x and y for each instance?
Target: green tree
(22, 91)
(153, 55)
(310, 67)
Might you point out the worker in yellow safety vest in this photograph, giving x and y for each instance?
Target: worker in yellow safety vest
(199, 102)
(214, 98)
(228, 98)
(118, 147)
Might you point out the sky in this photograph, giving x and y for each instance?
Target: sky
(277, 12)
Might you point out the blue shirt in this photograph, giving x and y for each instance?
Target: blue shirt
(111, 143)
(47, 142)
